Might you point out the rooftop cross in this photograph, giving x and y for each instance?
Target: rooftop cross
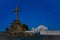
(16, 10)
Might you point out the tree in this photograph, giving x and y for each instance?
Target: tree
(7, 29)
(25, 26)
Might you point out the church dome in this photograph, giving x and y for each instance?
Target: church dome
(42, 27)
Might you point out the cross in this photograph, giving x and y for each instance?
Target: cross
(16, 10)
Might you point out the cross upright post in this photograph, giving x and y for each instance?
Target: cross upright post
(16, 10)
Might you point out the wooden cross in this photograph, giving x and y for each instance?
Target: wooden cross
(16, 10)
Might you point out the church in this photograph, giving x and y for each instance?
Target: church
(16, 28)
(19, 31)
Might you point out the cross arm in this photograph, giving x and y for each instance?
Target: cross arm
(15, 10)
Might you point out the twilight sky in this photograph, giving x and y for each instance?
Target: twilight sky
(34, 13)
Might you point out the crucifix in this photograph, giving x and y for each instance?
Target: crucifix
(16, 10)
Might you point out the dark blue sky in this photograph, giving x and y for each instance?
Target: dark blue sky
(34, 13)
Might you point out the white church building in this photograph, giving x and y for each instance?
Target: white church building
(43, 30)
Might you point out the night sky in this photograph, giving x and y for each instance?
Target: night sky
(34, 13)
